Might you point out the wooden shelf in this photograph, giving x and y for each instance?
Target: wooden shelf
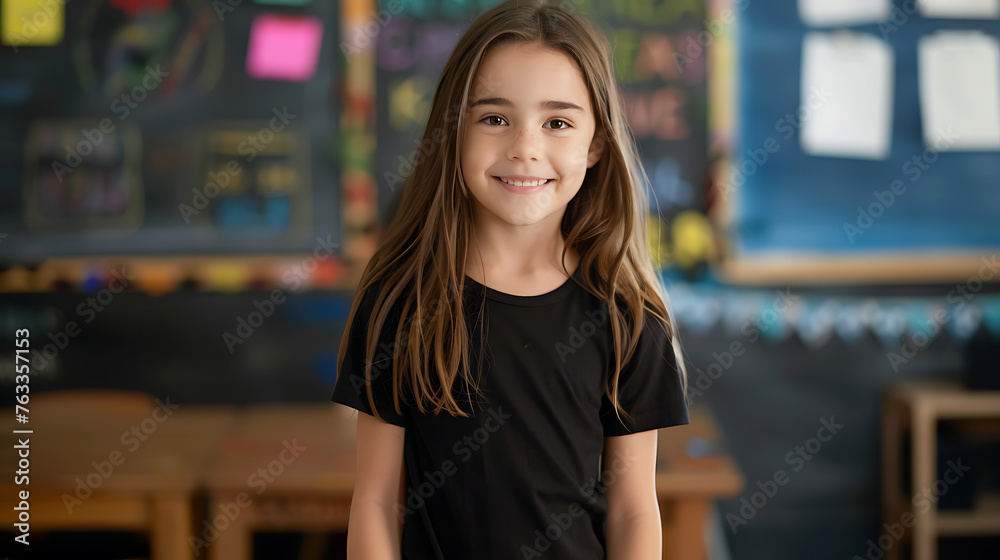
(983, 519)
(918, 406)
(949, 399)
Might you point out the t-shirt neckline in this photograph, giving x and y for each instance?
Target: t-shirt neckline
(531, 301)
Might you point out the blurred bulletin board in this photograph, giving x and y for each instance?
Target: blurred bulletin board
(790, 211)
(168, 127)
(658, 62)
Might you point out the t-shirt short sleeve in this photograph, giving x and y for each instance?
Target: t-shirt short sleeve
(650, 386)
(350, 388)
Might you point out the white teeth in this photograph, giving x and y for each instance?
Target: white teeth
(525, 183)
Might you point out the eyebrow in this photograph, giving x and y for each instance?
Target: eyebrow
(504, 102)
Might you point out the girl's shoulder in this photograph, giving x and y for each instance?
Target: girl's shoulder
(369, 304)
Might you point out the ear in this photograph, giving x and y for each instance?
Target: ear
(596, 149)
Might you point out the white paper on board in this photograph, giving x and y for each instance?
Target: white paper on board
(960, 90)
(960, 8)
(843, 12)
(847, 89)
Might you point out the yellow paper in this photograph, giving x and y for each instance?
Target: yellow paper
(31, 22)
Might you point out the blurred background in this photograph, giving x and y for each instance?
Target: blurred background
(189, 191)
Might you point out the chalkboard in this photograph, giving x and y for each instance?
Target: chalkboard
(170, 127)
(411, 51)
(795, 209)
(664, 93)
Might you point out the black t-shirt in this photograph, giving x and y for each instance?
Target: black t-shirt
(521, 477)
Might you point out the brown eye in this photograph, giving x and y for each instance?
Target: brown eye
(560, 121)
(491, 117)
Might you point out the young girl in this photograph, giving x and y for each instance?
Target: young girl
(509, 343)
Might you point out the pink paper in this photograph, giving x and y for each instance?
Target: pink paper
(284, 48)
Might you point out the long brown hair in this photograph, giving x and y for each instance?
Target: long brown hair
(422, 255)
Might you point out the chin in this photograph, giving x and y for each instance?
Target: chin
(527, 219)
(516, 217)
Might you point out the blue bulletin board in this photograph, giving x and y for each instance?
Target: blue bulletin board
(793, 211)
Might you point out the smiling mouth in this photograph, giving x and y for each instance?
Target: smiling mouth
(523, 183)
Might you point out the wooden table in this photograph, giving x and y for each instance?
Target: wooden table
(287, 467)
(89, 470)
(311, 491)
(918, 405)
(687, 486)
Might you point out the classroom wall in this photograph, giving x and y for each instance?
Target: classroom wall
(169, 337)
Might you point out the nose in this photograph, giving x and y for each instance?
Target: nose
(524, 145)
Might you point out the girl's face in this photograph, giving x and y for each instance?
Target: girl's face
(529, 117)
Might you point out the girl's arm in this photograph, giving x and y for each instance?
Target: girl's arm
(374, 530)
(633, 526)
